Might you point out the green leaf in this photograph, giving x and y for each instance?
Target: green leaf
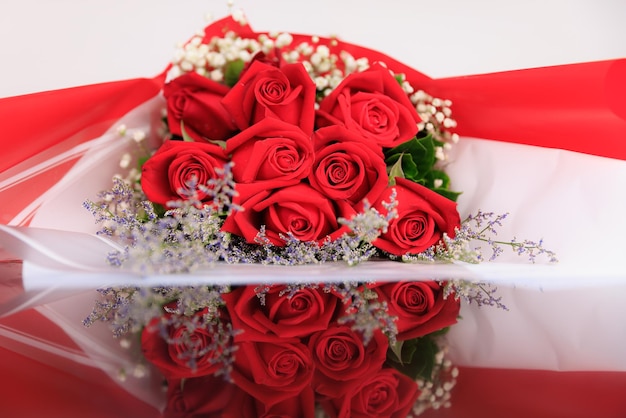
(410, 168)
(438, 175)
(439, 333)
(233, 71)
(222, 144)
(422, 156)
(396, 349)
(141, 161)
(448, 194)
(186, 136)
(403, 352)
(417, 358)
(395, 171)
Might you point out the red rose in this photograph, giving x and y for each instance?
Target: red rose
(306, 311)
(346, 167)
(196, 102)
(270, 150)
(265, 91)
(373, 104)
(301, 406)
(419, 307)
(273, 372)
(181, 346)
(386, 394)
(341, 357)
(165, 176)
(204, 397)
(423, 217)
(298, 209)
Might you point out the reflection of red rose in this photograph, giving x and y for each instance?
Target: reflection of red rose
(346, 167)
(273, 372)
(270, 150)
(243, 405)
(188, 353)
(306, 311)
(419, 307)
(190, 397)
(386, 394)
(265, 91)
(176, 163)
(373, 104)
(196, 102)
(214, 397)
(299, 210)
(423, 217)
(301, 406)
(341, 357)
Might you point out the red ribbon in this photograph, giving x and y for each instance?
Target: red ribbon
(578, 107)
(35, 122)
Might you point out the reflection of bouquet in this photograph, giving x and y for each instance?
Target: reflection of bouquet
(285, 152)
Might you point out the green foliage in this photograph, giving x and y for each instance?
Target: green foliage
(233, 71)
(415, 160)
(417, 157)
(444, 188)
(184, 133)
(414, 358)
(141, 161)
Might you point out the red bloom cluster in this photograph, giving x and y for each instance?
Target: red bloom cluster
(294, 351)
(298, 165)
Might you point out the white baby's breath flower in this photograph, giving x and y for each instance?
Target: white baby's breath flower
(125, 160)
(283, 39)
(239, 17)
(216, 75)
(139, 135)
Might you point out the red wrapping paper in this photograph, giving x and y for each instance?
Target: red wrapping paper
(480, 393)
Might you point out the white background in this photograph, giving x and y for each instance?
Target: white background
(54, 44)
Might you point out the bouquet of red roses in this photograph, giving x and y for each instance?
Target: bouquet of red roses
(288, 153)
(295, 180)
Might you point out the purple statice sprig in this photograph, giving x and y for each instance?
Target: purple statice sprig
(365, 227)
(126, 309)
(129, 309)
(364, 311)
(120, 211)
(478, 293)
(187, 236)
(113, 307)
(481, 227)
(219, 349)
